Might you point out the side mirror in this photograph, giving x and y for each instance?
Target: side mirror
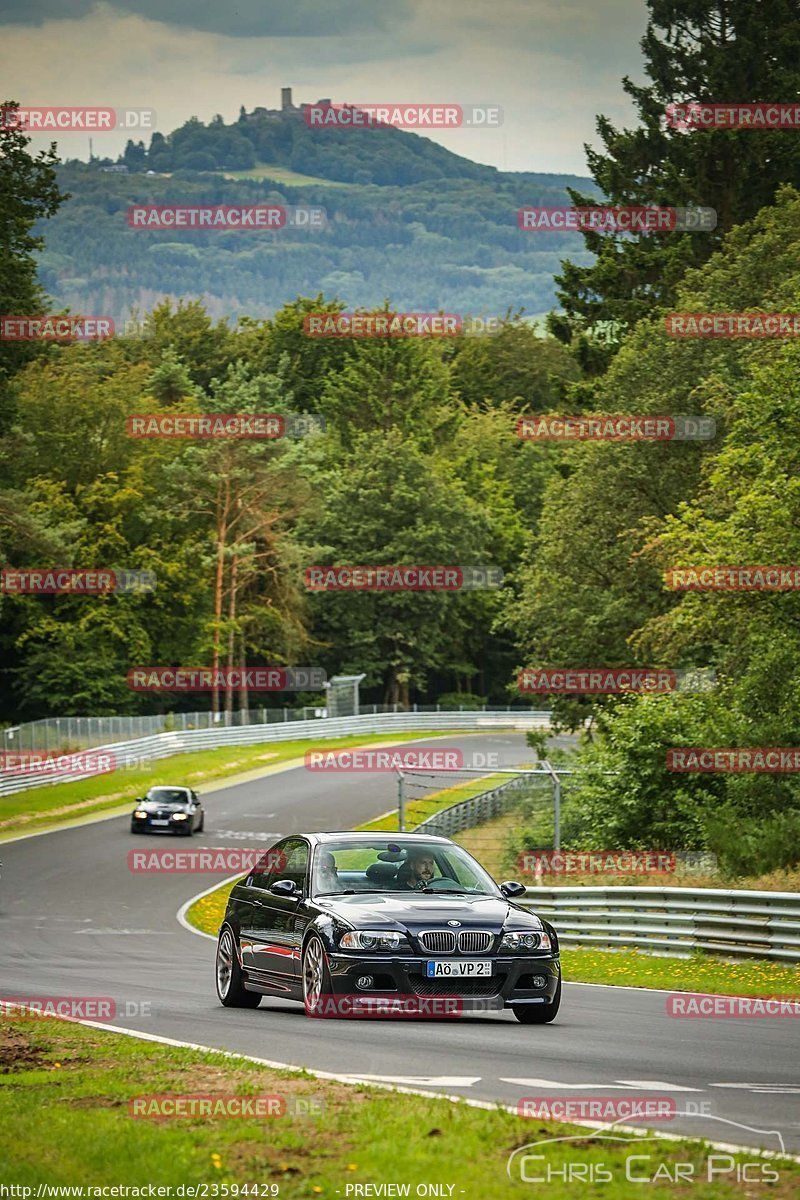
(511, 889)
(286, 888)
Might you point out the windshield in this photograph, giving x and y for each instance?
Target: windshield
(397, 865)
(164, 795)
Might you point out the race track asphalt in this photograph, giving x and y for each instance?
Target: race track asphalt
(75, 921)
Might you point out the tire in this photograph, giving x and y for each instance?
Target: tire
(228, 974)
(538, 1014)
(316, 977)
(202, 824)
(188, 831)
(135, 829)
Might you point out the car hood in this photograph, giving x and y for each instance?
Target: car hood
(421, 911)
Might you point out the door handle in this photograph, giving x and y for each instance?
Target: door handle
(259, 904)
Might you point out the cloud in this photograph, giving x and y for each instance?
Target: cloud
(245, 18)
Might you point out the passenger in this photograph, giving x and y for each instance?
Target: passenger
(327, 875)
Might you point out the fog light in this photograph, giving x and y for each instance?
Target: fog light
(539, 981)
(364, 982)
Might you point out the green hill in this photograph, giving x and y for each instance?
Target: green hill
(414, 223)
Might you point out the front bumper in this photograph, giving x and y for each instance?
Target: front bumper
(145, 825)
(403, 976)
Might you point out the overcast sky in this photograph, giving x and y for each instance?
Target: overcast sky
(550, 64)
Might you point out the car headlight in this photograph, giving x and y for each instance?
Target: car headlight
(525, 940)
(180, 816)
(372, 939)
(141, 813)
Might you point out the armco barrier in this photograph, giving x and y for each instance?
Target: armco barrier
(468, 813)
(162, 745)
(674, 921)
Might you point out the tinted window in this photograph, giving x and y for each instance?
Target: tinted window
(268, 867)
(296, 863)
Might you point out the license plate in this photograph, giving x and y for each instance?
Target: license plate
(437, 969)
(159, 822)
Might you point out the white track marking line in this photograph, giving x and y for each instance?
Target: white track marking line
(419, 1080)
(553, 1083)
(180, 915)
(651, 1085)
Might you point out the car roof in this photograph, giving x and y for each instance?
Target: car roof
(168, 787)
(357, 835)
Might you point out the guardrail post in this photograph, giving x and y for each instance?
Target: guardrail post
(401, 804)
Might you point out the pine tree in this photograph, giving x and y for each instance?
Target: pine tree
(712, 50)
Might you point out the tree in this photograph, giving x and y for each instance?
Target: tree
(246, 499)
(515, 364)
(28, 193)
(714, 50)
(587, 588)
(389, 502)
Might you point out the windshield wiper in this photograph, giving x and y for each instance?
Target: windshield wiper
(429, 891)
(346, 892)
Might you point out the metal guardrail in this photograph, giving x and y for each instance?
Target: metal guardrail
(674, 921)
(62, 734)
(468, 813)
(128, 754)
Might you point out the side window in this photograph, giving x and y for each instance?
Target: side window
(296, 863)
(270, 866)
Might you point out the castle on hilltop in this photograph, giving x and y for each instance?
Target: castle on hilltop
(287, 109)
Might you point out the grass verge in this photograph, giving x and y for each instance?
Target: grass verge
(700, 973)
(54, 804)
(65, 1106)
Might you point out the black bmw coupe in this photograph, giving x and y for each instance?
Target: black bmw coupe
(375, 924)
(168, 810)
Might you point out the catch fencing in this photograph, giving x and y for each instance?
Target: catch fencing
(133, 753)
(475, 811)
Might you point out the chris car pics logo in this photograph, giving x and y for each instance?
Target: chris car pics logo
(615, 1154)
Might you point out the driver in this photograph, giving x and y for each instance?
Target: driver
(420, 870)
